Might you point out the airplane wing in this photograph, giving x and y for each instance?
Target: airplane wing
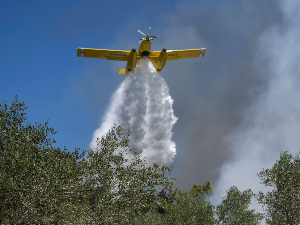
(180, 54)
(103, 54)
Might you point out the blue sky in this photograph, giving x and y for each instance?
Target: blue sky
(215, 98)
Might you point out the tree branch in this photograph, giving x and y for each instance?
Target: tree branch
(86, 209)
(24, 216)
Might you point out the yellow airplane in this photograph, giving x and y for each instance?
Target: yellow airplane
(158, 58)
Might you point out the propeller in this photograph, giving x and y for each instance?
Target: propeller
(141, 32)
(147, 37)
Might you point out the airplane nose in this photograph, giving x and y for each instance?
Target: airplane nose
(145, 53)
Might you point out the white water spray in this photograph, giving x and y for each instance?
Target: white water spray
(143, 103)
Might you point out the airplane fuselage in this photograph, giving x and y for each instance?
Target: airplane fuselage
(145, 48)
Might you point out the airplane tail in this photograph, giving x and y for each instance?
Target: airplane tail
(121, 71)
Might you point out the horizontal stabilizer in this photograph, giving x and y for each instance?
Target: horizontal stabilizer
(121, 71)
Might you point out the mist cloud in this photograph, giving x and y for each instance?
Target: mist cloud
(271, 124)
(211, 93)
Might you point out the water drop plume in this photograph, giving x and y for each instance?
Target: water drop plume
(142, 103)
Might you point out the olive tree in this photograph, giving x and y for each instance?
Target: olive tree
(40, 184)
(188, 210)
(234, 208)
(282, 203)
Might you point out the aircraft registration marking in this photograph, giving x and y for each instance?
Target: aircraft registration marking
(117, 54)
(174, 54)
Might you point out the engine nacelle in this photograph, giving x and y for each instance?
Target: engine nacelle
(161, 61)
(131, 63)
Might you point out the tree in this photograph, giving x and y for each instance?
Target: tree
(166, 200)
(191, 210)
(36, 180)
(190, 207)
(127, 189)
(282, 204)
(188, 210)
(234, 208)
(40, 184)
(199, 190)
(202, 191)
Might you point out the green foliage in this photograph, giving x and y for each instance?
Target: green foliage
(126, 189)
(234, 208)
(32, 174)
(189, 210)
(149, 218)
(41, 185)
(166, 200)
(282, 204)
(199, 190)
